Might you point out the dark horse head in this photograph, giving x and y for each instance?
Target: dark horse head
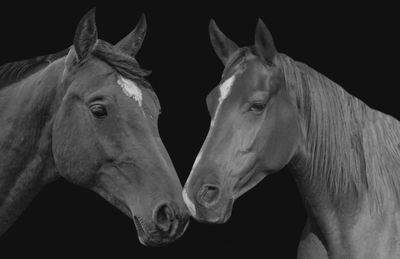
(254, 127)
(105, 135)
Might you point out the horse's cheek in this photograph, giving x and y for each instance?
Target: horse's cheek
(72, 150)
(282, 139)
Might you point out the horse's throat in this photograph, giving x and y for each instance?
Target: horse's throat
(20, 183)
(26, 162)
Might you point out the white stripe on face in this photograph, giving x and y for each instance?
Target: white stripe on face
(130, 89)
(224, 91)
(189, 203)
(197, 159)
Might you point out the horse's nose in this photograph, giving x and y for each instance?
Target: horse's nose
(165, 218)
(208, 195)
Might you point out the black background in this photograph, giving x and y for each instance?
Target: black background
(355, 46)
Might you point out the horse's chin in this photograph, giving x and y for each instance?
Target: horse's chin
(149, 236)
(215, 220)
(245, 183)
(219, 214)
(143, 233)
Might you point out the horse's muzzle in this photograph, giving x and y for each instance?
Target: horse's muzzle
(168, 225)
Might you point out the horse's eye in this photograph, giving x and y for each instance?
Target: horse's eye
(257, 107)
(98, 110)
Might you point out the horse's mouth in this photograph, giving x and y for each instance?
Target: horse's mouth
(142, 232)
(248, 181)
(139, 227)
(151, 237)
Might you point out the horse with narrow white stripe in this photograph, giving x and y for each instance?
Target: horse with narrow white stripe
(344, 156)
(224, 90)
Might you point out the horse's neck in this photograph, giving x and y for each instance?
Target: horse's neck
(26, 162)
(332, 125)
(349, 149)
(346, 168)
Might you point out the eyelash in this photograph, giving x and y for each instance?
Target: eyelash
(257, 107)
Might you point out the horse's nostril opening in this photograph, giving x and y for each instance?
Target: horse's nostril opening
(163, 217)
(208, 195)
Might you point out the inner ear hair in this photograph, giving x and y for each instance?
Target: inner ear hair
(264, 43)
(71, 60)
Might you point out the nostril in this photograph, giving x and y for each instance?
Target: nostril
(164, 217)
(208, 195)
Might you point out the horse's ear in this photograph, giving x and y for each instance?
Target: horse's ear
(71, 59)
(133, 41)
(85, 35)
(223, 46)
(264, 43)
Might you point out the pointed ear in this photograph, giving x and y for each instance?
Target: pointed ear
(85, 35)
(264, 43)
(223, 46)
(133, 41)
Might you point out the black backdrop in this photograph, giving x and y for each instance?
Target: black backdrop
(355, 46)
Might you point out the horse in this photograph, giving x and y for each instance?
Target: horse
(88, 114)
(270, 112)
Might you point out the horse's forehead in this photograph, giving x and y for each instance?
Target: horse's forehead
(252, 78)
(101, 74)
(242, 77)
(245, 76)
(130, 89)
(98, 67)
(225, 88)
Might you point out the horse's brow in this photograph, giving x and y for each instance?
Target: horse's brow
(130, 89)
(224, 90)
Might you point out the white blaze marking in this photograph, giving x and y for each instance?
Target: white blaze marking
(197, 159)
(224, 91)
(131, 89)
(189, 203)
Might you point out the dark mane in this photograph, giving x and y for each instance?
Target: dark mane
(15, 71)
(125, 65)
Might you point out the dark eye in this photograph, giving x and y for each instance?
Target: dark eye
(257, 107)
(98, 110)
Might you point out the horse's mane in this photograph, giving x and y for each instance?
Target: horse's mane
(124, 64)
(15, 71)
(354, 148)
